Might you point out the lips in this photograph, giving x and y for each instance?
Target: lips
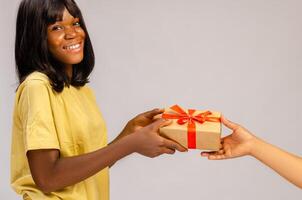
(74, 47)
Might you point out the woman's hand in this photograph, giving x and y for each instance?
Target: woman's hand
(238, 143)
(139, 122)
(52, 172)
(147, 141)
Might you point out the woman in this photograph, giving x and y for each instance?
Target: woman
(59, 143)
(241, 142)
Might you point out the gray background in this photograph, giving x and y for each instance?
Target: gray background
(240, 57)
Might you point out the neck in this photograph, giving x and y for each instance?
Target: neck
(68, 70)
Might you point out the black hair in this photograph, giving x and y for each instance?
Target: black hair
(31, 49)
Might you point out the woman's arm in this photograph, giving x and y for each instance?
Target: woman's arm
(52, 172)
(241, 142)
(138, 122)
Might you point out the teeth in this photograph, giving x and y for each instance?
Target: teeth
(75, 46)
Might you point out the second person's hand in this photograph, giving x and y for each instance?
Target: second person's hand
(238, 143)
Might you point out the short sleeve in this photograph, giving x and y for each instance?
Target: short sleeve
(90, 92)
(36, 116)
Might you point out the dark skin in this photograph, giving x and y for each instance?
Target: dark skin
(50, 171)
(66, 41)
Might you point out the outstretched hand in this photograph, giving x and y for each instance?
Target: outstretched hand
(238, 143)
(138, 122)
(141, 120)
(148, 142)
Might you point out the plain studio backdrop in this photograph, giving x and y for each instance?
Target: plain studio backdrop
(240, 57)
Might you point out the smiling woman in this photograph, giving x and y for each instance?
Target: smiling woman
(66, 39)
(44, 39)
(59, 141)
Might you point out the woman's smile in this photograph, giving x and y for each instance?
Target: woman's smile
(75, 47)
(66, 40)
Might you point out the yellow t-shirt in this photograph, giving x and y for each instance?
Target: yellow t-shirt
(69, 121)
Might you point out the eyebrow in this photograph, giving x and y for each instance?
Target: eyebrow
(74, 19)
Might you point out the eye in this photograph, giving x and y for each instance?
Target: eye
(56, 28)
(77, 24)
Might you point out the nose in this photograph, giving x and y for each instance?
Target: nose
(70, 33)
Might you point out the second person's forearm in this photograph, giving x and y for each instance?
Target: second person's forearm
(287, 165)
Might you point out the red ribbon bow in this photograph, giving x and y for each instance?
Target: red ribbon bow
(184, 117)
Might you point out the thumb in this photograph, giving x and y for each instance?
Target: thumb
(229, 124)
(159, 123)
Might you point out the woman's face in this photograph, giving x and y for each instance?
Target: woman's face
(66, 40)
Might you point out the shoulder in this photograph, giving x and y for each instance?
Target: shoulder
(36, 78)
(88, 90)
(35, 82)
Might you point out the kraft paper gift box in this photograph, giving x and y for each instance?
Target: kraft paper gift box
(193, 129)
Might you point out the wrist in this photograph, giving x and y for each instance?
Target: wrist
(127, 129)
(254, 145)
(129, 143)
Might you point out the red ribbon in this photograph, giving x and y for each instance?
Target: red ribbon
(184, 117)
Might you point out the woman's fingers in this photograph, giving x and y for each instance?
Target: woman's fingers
(168, 150)
(151, 113)
(173, 145)
(159, 123)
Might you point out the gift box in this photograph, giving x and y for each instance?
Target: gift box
(193, 129)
